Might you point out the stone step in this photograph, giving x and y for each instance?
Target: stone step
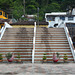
(51, 41)
(22, 57)
(23, 60)
(30, 42)
(56, 29)
(6, 38)
(43, 44)
(27, 34)
(50, 36)
(16, 36)
(51, 54)
(3, 44)
(18, 33)
(16, 50)
(47, 46)
(51, 32)
(16, 46)
(51, 51)
(16, 41)
(20, 29)
(52, 57)
(51, 60)
(53, 48)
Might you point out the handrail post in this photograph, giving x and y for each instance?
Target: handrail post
(33, 51)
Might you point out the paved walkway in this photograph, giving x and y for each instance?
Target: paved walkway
(37, 69)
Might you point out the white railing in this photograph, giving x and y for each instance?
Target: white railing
(60, 23)
(6, 25)
(69, 40)
(33, 51)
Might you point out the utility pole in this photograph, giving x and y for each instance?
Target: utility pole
(24, 7)
(38, 15)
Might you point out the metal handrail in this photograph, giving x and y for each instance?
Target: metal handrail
(2, 31)
(33, 51)
(6, 25)
(69, 40)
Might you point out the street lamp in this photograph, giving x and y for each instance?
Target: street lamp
(38, 15)
(24, 7)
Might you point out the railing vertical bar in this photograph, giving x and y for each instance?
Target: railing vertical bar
(33, 51)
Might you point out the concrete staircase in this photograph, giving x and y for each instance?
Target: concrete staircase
(50, 40)
(18, 40)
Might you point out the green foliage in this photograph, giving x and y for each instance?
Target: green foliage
(31, 9)
(57, 55)
(44, 57)
(8, 55)
(16, 7)
(1, 57)
(18, 55)
(65, 57)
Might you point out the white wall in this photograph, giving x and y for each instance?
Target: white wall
(51, 24)
(57, 19)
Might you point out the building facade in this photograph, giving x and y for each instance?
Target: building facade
(58, 19)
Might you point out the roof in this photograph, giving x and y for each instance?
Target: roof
(61, 15)
(56, 13)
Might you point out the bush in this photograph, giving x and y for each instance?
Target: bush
(44, 57)
(1, 57)
(8, 55)
(18, 56)
(65, 57)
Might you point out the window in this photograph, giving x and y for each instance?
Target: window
(5, 15)
(0, 13)
(51, 18)
(62, 18)
(70, 18)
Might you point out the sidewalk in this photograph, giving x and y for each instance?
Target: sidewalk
(37, 69)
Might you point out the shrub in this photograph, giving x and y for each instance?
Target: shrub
(18, 56)
(8, 55)
(44, 57)
(65, 57)
(1, 57)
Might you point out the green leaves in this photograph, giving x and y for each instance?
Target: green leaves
(16, 7)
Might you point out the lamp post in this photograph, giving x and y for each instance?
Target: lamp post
(38, 15)
(24, 7)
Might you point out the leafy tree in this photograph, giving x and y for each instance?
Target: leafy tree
(53, 7)
(16, 7)
(6, 5)
(67, 4)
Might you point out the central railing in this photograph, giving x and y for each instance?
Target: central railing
(33, 51)
(69, 40)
